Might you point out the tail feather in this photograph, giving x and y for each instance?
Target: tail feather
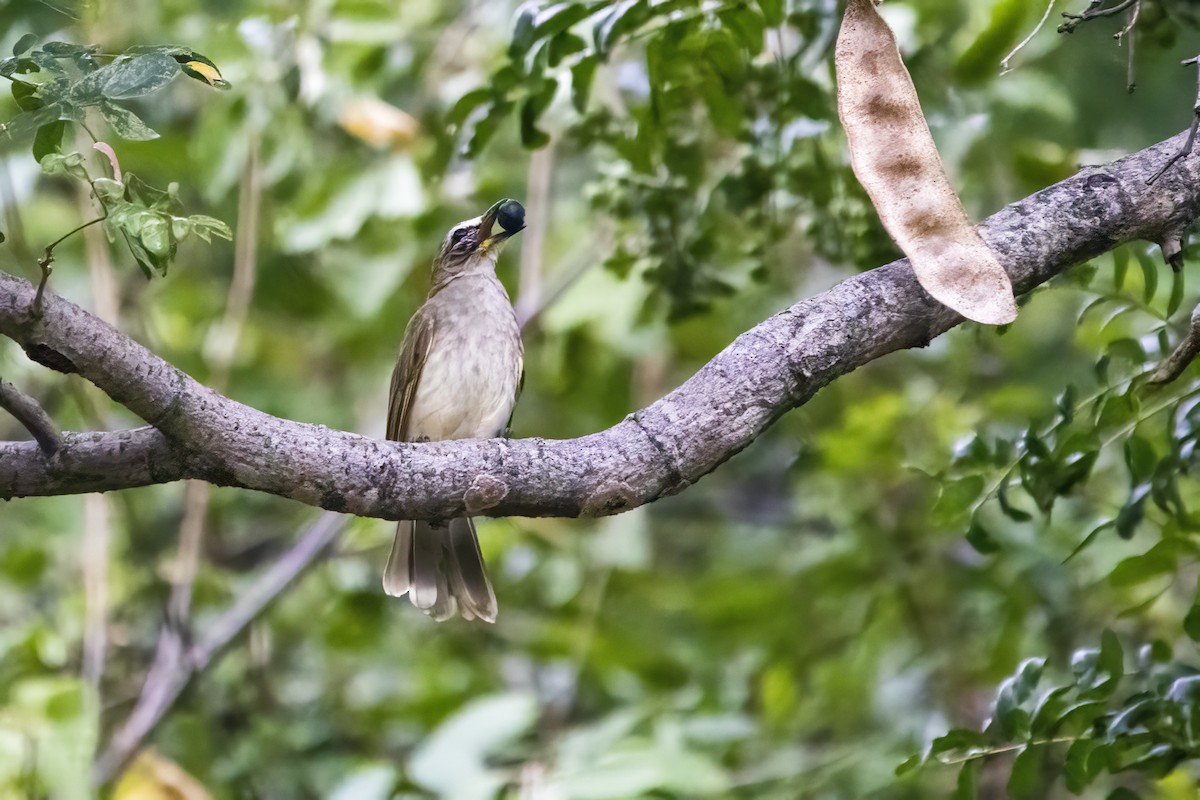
(474, 591)
(441, 570)
(397, 575)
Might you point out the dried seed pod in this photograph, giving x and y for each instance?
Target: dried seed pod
(893, 155)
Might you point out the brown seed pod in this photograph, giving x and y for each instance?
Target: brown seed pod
(894, 157)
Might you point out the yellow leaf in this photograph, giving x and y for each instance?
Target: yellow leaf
(894, 157)
(152, 777)
(379, 124)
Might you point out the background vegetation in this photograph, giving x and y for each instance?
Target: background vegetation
(861, 580)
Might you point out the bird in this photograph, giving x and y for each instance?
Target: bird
(458, 376)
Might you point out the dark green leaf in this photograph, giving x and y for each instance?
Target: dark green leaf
(1010, 511)
(967, 785)
(620, 17)
(1120, 258)
(48, 139)
(24, 44)
(563, 45)
(523, 33)
(26, 95)
(1075, 772)
(64, 49)
(467, 104)
(1131, 514)
(772, 12)
(1177, 288)
(1149, 273)
(1025, 779)
(1191, 622)
(581, 82)
(1140, 458)
(981, 539)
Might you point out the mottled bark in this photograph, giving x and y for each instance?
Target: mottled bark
(659, 450)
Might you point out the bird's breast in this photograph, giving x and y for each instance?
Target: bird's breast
(468, 385)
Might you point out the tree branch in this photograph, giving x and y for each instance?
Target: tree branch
(660, 450)
(31, 416)
(175, 664)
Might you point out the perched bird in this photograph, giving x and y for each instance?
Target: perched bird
(458, 376)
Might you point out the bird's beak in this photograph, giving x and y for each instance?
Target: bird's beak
(488, 221)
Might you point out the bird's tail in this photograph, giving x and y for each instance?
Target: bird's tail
(440, 568)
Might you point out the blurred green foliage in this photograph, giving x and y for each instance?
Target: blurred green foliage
(983, 553)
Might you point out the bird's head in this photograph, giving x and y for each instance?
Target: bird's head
(476, 243)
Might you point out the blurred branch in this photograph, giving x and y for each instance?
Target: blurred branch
(97, 529)
(1185, 149)
(223, 342)
(175, 664)
(537, 200)
(32, 417)
(657, 451)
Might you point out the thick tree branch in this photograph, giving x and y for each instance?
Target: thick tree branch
(657, 451)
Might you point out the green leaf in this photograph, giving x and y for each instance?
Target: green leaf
(1112, 656)
(956, 500)
(467, 104)
(1120, 258)
(1009, 510)
(772, 12)
(618, 18)
(1149, 273)
(156, 236)
(1010, 718)
(581, 82)
(1024, 780)
(1177, 288)
(1157, 561)
(125, 123)
(1132, 513)
(563, 45)
(109, 190)
(1140, 458)
(24, 44)
(48, 139)
(64, 49)
(126, 78)
(523, 31)
(1075, 773)
(26, 95)
(967, 785)
(71, 164)
(206, 227)
(1191, 622)
(981, 539)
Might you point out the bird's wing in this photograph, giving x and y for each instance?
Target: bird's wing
(517, 395)
(414, 351)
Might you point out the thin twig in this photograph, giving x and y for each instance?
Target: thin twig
(1191, 140)
(1093, 11)
(1004, 65)
(31, 416)
(1183, 354)
(1131, 21)
(175, 664)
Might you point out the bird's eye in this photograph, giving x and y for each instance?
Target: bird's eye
(457, 236)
